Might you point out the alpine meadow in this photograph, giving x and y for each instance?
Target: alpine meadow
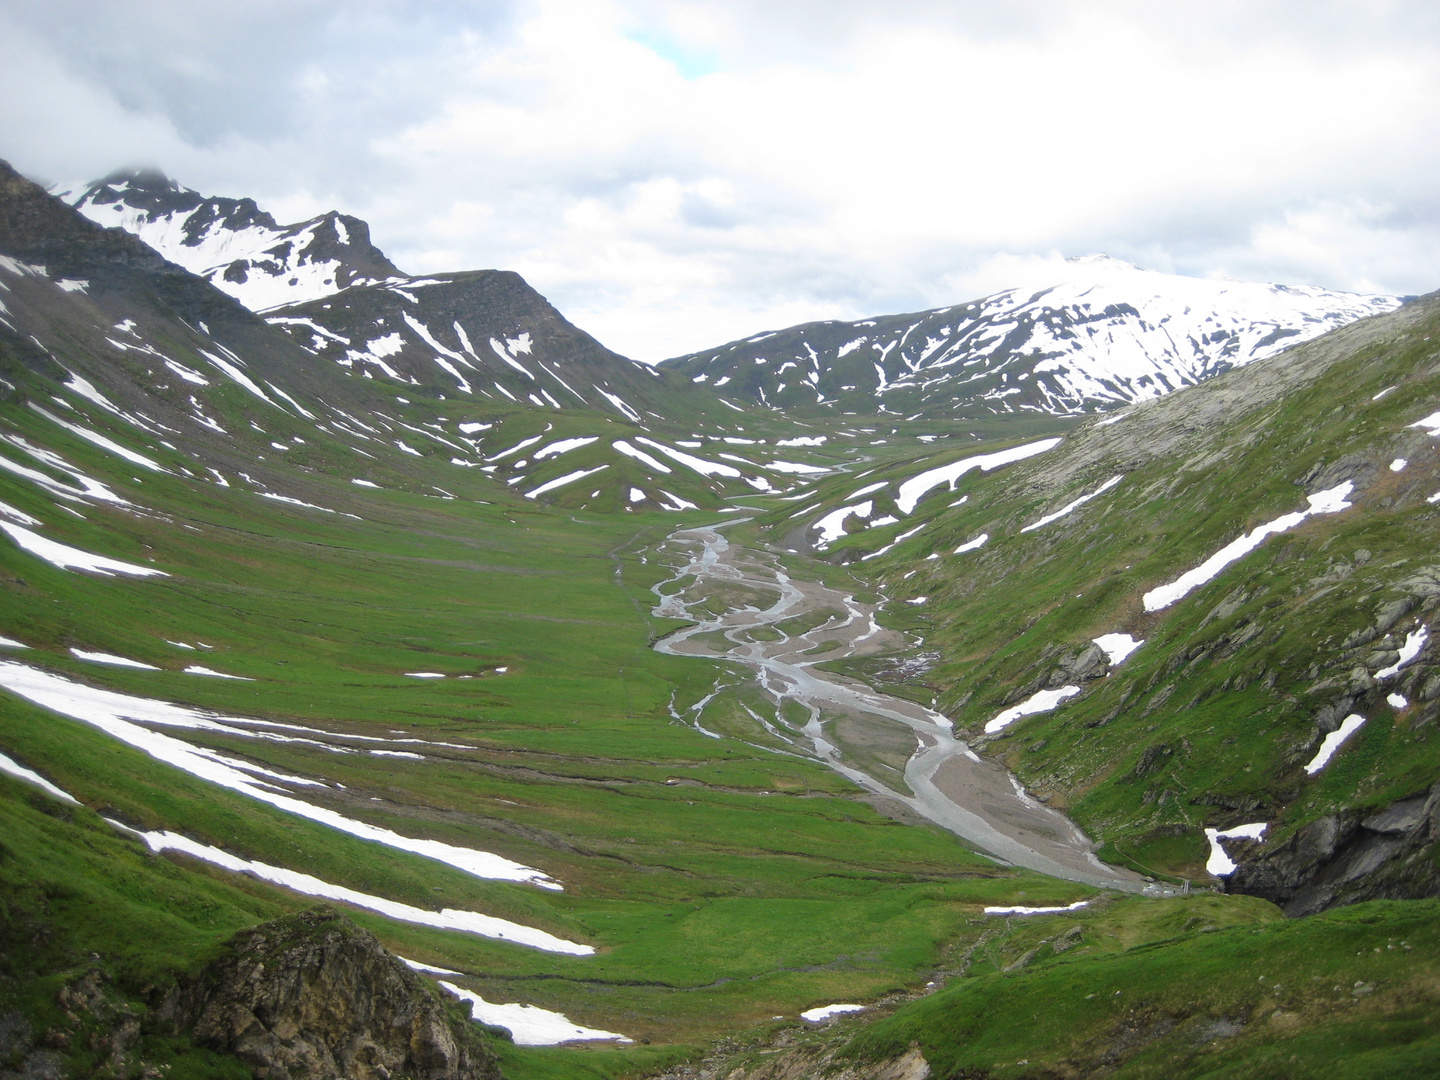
(395, 681)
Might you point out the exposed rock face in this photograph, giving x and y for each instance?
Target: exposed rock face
(1346, 858)
(312, 995)
(234, 244)
(469, 332)
(93, 1016)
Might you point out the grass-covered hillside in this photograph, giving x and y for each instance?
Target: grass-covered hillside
(1325, 459)
(1153, 991)
(273, 634)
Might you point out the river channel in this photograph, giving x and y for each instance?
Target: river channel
(737, 598)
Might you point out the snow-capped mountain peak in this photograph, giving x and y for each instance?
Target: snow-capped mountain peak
(1095, 333)
(481, 334)
(234, 244)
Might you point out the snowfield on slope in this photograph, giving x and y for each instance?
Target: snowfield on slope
(912, 490)
(1331, 501)
(116, 715)
(1095, 333)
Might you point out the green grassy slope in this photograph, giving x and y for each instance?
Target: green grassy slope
(1209, 723)
(720, 883)
(1348, 994)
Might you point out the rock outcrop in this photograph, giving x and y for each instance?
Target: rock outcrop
(1347, 857)
(312, 995)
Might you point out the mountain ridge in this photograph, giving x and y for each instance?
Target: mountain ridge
(481, 333)
(232, 243)
(1104, 335)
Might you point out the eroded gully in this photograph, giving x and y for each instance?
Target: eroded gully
(976, 799)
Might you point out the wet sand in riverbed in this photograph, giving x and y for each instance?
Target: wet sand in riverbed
(947, 783)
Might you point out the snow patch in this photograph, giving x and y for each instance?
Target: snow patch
(15, 769)
(470, 922)
(1430, 423)
(824, 1012)
(1042, 701)
(101, 441)
(1219, 863)
(115, 714)
(1332, 742)
(1068, 507)
(831, 526)
(1022, 910)
(561, 481)
(1117, 646)
(428, 969)
(620, 404)
(893, 543)
(111, 658)
(18, 515)
(701, 465)
(564, 446)
(69, 558)
(1331, 501)
(1414, 642)
(913, 489)
(200, 669)
(531, 1025)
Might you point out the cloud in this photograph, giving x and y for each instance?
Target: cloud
(675, 173)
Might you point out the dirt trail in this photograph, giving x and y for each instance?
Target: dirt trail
(948, 783)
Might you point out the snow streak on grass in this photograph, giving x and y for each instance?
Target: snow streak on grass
(912, 490)
(114, 713)
(69, 558)
(529, 1024)
(1331, 501)
(1332, 742)
(470, 922)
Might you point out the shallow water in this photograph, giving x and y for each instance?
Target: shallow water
(977, 799)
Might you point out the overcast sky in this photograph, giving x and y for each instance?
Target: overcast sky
(674, 174)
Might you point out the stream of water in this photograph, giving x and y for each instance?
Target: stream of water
(948, 783)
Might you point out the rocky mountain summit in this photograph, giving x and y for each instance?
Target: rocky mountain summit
(481, 333)
(232, 243)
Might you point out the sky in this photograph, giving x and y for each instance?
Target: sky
(675, 174)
